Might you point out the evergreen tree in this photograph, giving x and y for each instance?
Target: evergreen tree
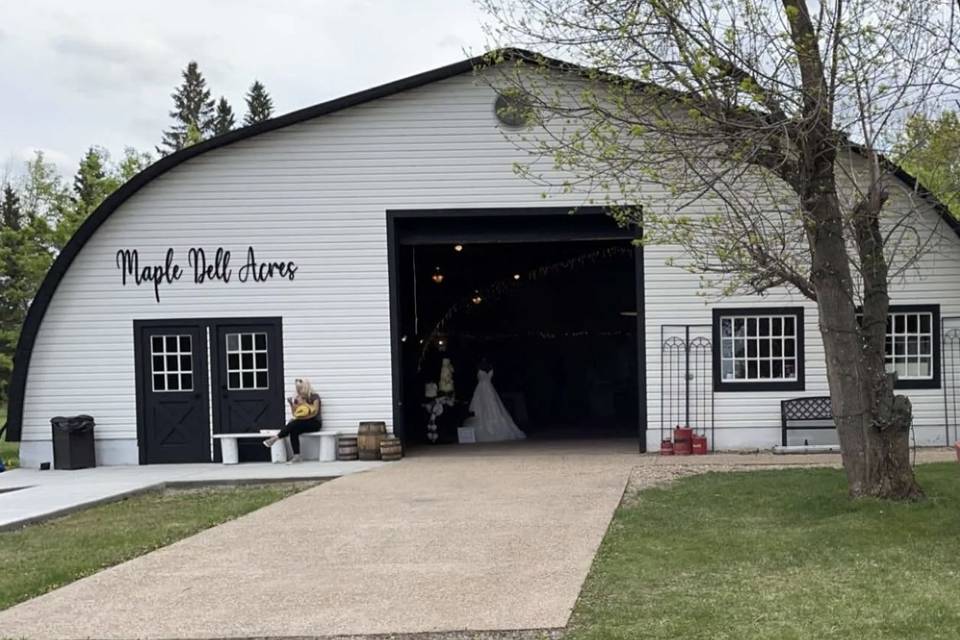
(193, 106)
(25, 257)
(224, 120)
(10, 212)
(93, 182)
(259, 104)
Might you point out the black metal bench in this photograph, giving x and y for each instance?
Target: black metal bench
(805, 414)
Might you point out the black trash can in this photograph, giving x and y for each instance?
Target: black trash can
(73, 442)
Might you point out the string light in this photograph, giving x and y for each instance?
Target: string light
(437, 276)
(497, 289)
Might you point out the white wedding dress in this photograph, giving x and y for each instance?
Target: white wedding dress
(491, 421)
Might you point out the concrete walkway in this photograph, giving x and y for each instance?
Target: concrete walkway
(29, 495)
(501, 538)
(490, 537)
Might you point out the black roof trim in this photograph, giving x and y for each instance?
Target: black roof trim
(38, 308)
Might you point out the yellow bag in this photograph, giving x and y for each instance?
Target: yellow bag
(302, 411)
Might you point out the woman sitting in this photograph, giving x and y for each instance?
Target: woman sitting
(305, 407)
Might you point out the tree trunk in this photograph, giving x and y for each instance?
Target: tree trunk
(873, 424)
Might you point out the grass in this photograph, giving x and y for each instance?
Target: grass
(42, 557)
(777, 555)
(9, 451)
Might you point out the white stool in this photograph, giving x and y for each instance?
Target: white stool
(278, 450)
(229, 451)
(328, 446)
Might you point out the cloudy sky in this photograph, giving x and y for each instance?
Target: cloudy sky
(77, 73)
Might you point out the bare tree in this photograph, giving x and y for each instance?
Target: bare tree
(750, 134)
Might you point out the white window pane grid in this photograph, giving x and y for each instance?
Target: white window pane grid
(909, 345)
(171, 361)
(758, 348)
(247, 367)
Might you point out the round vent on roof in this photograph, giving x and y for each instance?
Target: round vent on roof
(513, 109)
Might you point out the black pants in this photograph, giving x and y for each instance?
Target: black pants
(295, 427)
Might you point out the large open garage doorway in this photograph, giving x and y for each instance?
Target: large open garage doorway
(552, 301)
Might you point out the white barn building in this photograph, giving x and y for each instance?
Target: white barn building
(357, 242)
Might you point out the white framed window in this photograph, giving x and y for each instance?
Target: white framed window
(759, 349)
(171, 362)
(247, 361)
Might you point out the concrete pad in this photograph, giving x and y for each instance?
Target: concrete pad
(482, 538)
(30, 495)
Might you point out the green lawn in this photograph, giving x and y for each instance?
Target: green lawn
(9, 451)
(778, 555)
(41, 557)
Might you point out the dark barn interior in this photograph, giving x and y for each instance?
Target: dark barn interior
(556, 319)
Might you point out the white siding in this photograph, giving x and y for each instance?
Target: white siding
(315, 193)
(751, 419)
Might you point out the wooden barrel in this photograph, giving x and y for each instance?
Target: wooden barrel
(369, 437)
(391, 449)
(347, 448)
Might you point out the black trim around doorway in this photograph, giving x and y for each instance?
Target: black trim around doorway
(207, 324)
(481, 233)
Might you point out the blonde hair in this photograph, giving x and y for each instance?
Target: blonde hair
(304, 388)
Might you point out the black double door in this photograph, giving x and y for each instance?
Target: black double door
(180, 406)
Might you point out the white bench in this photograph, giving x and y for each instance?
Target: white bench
(228, 445)
(279, 450)
(328, 443)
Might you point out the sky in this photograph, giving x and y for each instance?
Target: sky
(100, 72)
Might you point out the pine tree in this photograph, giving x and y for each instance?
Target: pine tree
(93, 182)
(25, 257)
(192, 106)
(224, 120)
(259, 104)
(10, 213)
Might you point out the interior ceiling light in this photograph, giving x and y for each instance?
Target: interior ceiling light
(476, 299)
(437, 276)
(458, 248)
